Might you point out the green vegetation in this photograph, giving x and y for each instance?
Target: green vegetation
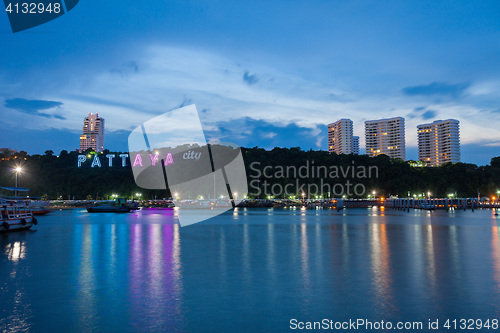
(52, 176)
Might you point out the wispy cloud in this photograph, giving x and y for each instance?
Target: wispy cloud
(423, 113)
(33, 107)
(267, 134)
(437, 89)
(126, 69)
(297, 105)
(249, 78)
(429, 114)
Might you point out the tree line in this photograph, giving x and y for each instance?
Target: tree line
(58, 176)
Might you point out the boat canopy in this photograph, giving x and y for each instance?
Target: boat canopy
(20, 189)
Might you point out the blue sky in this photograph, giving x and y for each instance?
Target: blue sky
(261, 73)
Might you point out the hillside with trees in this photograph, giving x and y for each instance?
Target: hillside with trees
(58, 176)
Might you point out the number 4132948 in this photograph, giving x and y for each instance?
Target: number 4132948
(33, 8)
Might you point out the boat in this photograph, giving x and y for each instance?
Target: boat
(16, 212)
(195, 204)
(40, 211)
(39, 207)
(117, 206)
(108, 209)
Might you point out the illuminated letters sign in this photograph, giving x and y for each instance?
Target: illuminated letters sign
(138, 159)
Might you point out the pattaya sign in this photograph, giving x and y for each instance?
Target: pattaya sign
(138, 160)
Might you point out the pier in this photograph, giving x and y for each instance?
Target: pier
(404, 204)
(433, 203)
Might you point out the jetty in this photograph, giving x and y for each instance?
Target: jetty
(433, 203)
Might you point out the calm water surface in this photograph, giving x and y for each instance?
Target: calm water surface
(247, 270)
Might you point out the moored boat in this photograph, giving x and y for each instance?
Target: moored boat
(15, 212)
(117, 206)
(40, 211)
(39, 207)
(108, 209)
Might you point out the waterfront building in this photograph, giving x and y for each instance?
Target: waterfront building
(439, 142)
(8, 151)
(386, 136)
(355, 145)
(93, 133)
(340, 138)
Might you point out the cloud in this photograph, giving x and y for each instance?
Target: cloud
(417, 113)
(269, 135)
(170, 77)
(33, 107)
(249, 78)
(429, 114)
(249, 132)
(185, 102)
(124, 70)
(437, 89)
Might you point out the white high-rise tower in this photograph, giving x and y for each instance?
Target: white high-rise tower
(340, 139)
(386, 136)
(93, 133)
(439, 142)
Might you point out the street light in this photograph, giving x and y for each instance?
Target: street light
(17, 170)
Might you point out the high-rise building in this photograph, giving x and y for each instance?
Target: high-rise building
(340, 137)
(386, 136)
(355, 145)
(93, 133)
(439, 142)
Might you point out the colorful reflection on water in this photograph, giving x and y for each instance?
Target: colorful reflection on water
(247, 270)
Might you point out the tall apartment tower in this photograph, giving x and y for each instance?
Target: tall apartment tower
(355, 145)
(439, 142)
(340, 137)
(386, 136)
(93, 133)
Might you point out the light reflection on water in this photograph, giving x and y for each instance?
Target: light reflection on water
(15, 250)
(495, 253)
(381, 269)
(247, 270)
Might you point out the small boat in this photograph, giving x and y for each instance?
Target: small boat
(108, 209)
(15, 212)
(39, 207)
(195, 204)
(40, 211)
(117, 206)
